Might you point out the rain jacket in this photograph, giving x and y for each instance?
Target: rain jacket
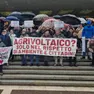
(88, 32)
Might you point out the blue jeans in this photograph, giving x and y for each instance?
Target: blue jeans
(32, 59)
(24, 59)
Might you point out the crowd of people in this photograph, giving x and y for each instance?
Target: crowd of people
(9, 33)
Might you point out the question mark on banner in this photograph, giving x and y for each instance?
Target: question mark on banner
(1, 61)
(73, 42)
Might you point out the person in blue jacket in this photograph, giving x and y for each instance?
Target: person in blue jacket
(88, 33)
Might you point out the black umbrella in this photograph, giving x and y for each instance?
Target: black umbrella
(69, 19)
(28, 15)
(18, 15)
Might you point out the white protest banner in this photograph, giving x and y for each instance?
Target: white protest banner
(28, 23)
(83, 44)
(4, 54)
(14, 24)
(45, 46)
(58, 24)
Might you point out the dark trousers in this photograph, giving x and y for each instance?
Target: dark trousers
(24, 59)
(93, 58)
(32, 58)
(1, 68)
(79, 43)
(72, 61)
(46, 59)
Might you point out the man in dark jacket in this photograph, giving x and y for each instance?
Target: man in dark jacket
(5, 38)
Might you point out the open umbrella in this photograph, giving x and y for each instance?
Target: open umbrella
(70, 19)
(15, 13)
(53, 23)
(18, 15)
(49, 23)
(11, 18)
(83, 21)
(2, 18)
(57, 16)
(40, 16)
(38, 19)
(28, 15)
(70, 15)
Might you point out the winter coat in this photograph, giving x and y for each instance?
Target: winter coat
(6, 40)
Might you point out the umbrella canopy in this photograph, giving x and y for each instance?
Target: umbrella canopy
(15, 13)
(40, 16)
(2, 18)
(83, 21)
(69, 19)
(28, 15)
(57, 16)
(51, 23)
(11, 18)
(38, 19)
(71, 15)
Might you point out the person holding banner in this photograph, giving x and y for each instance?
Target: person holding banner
(24, 57)
(87, 33)
(12, 36)
(1, 45)
(34, 34)
(46, 35)
(73, 60)
(58, 35)
(91, 49)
